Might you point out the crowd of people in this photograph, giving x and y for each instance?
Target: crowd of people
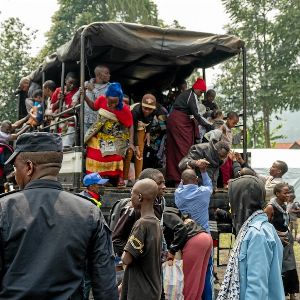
(57, 245)
(122, 138)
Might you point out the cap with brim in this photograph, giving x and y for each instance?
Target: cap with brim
(36, 142)
(93, 178)
(148, 105)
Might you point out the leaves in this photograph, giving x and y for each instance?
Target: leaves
(273, 63)
(15, 41)
(74, 13)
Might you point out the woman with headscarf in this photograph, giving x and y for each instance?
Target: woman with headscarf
(279, 217)
(182, 128)
(107, 139)
(254, 267)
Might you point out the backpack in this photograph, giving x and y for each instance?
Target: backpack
(114, 214)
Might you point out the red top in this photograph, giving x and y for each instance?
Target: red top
(67, 98)
(124, 115)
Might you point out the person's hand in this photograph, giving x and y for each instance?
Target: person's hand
(60, 96)
(170, 259)
(147, 138)
(239, 158)
(137, 153)
(90, 86)
(131, 146)
(120, 289)
(202, 164)
(81, 92)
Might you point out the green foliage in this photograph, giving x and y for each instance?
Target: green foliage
(15, 41)
(272, 60)
(74, 13)
(255, 134)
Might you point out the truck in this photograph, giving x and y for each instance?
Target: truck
(141, 58)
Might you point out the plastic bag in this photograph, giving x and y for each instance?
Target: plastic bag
(173, 280)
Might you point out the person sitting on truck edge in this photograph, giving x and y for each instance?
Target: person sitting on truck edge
(66, 129)
(93, 89)
(108, 138)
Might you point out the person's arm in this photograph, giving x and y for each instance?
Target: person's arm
(19, 123)
(89, 102)
(127, 258)
(259, 257)
(101, 263)
(206, 181)
(194, 110)
(270, 212)
(236, 167)
(122, 229)
(135, 245)
(176, 225)
(131, 138)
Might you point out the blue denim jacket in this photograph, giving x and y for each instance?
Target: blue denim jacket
(260, 262)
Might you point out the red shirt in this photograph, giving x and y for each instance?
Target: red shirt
(124, 115)
(67, 98)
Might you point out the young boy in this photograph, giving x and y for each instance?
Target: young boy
(277, 170)
(142, 253)
(37, 111)
(228, 137)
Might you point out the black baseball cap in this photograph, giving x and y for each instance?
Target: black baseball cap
(36, 142)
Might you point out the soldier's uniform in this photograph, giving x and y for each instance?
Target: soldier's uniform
(46, 236)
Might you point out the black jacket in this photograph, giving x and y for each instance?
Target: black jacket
(47, 235)
(176, 232)
(203, 151)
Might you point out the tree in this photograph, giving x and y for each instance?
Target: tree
(74, 13)
(15, 40)
(265, 28)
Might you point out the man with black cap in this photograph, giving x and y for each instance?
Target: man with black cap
(254, 267)
(47, 234)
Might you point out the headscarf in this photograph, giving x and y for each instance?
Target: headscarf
(199, 85)
(115, 90)
(245, 201)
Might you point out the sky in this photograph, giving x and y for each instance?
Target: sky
(198, 15)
